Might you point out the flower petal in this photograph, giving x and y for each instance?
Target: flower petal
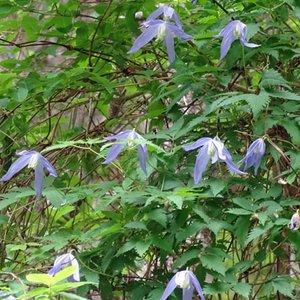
(199, 143)
(149, 33)
(178, 31)
(48, 166)
(121, 135)
(201, 163)
(169, 40)
(58, 263)
(39, 179)
(114, 152)
(232, 167)
(169, 289)
(75, 276)
(187, 294)
(156, 14)
(226, 44)
(17, 166)
(143, 153)
(197, 285)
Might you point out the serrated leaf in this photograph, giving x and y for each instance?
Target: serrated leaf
(243, 289)
(141, 247)
(257, 232)
(283, 94)
(158, 215)
(292, 128)
(185, 257)
(214, 260)
(177, 200)
(283, 286)
(257, 102)
(272, 77)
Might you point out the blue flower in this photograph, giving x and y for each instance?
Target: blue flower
(7, 297)
(66, 260)
(122, 139)
(168, 14)
(295, 221)
(162, 29)
(234, 30)
(214, 150)
(254, 155)
(185, 280)
(33, 160)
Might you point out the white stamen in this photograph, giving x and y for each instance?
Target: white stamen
(237, 31)
(182, 279)
(161, 31)
(211, 149)
(33, 162)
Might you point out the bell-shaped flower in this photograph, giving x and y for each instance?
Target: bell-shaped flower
(163, 30)
(234, 30)
(168, 14)
(63, 261)
(122, 139)
(295, 221)
(214, 150)
(185, 280)
(254, 155)
(35, 161)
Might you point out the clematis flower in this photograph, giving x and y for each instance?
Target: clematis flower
(295, 221)
(168, 14)
(254, 155)
(66, 260)
(234, 30)
(33, 160)
(185, 280)
(162, 29)
(214, 150)
(124, 138)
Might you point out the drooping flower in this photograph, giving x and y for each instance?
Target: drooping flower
(122, 139)
(35, 161)
(295, 221)
(214, 150)
(66, 260)
(164, 30)
(234, 30)
(185, 280)
(254, 155)
(168, 14)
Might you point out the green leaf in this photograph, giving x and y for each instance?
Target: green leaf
(283, 286)
(41, 278)
(283, 94)
(258, 102)
(257, 232)
(177, 200)
(158, 215)
(271, 77)
(213, 259)
(185, 257)
(63, 274)
(239, 211)
(243, 289)
(68, 286)
(35, 292)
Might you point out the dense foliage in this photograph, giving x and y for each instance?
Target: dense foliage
(68, 82)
